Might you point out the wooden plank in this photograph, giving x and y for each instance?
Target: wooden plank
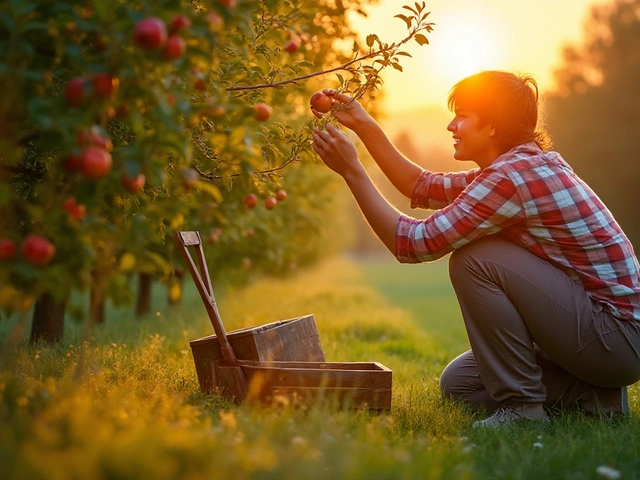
(351, 366)
(272, 377)
(247, 345)
(190, 238)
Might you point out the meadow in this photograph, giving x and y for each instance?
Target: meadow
(124, 402)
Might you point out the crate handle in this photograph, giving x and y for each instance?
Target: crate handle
(183, 241)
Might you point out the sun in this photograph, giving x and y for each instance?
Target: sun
(463, 45)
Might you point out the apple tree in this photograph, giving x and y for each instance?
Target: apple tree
(124, 121)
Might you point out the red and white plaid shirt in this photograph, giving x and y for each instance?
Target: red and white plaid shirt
(535, 200)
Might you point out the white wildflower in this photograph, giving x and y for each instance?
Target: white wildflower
(537, 445)
(608, 472)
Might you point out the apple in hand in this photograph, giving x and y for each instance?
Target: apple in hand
(37, 250)
(320, 102)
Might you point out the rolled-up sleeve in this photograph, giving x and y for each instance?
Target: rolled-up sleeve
(437, 190)
(489, 204)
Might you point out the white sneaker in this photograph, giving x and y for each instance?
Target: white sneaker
(510, 413)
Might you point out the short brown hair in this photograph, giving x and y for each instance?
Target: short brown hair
(505, 100)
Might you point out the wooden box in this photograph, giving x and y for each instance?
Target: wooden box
(294, 339)
(347, 384)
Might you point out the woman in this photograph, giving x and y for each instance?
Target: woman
(547, 282)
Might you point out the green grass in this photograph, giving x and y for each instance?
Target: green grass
(126, 404)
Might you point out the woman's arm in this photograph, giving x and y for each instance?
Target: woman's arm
(339, 154)
(401, 171)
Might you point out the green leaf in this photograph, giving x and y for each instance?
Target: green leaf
(404, 54)
(421, 39)
(211, 190)
(397, 66)
(356, 47)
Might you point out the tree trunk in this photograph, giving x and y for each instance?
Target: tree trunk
(143, 305)
(96, 306)
(48, 319)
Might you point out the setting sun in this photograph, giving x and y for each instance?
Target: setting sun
(465, 46)
(473, 35)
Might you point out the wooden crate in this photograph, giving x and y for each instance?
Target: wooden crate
(294, 339)
(347, 384)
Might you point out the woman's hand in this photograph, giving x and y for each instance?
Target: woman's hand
(336, 150)
(348, 111)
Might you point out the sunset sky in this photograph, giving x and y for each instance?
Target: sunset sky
(472, 35)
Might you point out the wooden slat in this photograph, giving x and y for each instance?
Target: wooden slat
(350, 366)
(273, 377)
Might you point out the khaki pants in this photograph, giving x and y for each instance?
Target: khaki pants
(535, 334)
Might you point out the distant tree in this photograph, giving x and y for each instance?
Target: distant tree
(593, 115)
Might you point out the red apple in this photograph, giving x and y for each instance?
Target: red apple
(150, 33)
(181, 22)
(320, 102)
(215, 235)
(104, 85)
(270, 203)
(135, 184)
(199, 83)
(37, 250)
(215, 21)
(263, 111)
(250, 200)
(75, 91)
(7, 249)
(96, 163)
(71, 163)
(74, 209)
(281, 195)
(174, 48)
(292, 46)
(227, 3)
(94, 137)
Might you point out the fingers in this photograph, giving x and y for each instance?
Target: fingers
(317, 113)
(341, 97)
